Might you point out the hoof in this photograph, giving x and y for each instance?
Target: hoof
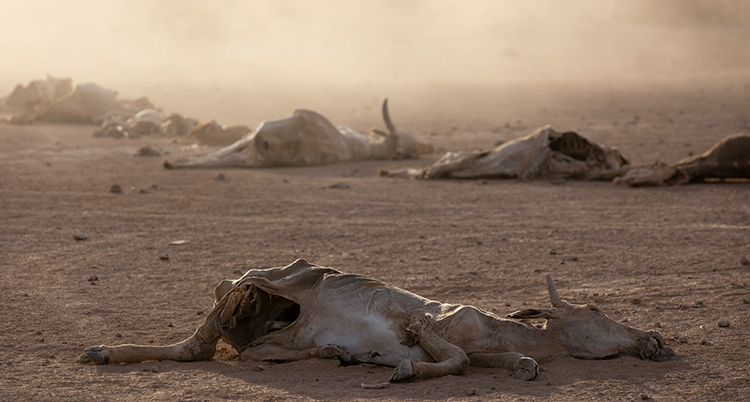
(526, 369)
(97, 354)
(329, 352)
(404, 372)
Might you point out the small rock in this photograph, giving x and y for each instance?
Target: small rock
(744, 260)
(472, 391)
(624, 320)
(123, 364)
(199, 312)
(340, 186)
(93, 278)
(147, 151)
(636, 301)
(118, 334)
(237, 272)
(657, 325)
(164, 257)
(258, 367)
(142, 191)
(154, 369)
(170, 325)
(79, 237)
(571, 259)
(644, 396)
(682, 339)
(723, 323)
(39, 331)
(704, 341)
(154, 186)
(220, 177)
(50, 356)
(746, 301)
(179, 242)
(115, 189)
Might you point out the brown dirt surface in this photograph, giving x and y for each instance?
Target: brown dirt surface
(484, 243)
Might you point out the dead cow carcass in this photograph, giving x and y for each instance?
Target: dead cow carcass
(307, 138)
(55, 101)
(727, 159)
(545, 153)
(303, 311)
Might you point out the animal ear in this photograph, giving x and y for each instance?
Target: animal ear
(530, 313)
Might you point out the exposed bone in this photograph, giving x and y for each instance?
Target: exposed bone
(380, 385)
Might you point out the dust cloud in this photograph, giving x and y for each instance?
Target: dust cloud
(145, 46)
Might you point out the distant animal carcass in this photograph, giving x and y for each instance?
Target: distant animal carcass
(728, 159)
(544, 154)
(307, 138)
(304, 311)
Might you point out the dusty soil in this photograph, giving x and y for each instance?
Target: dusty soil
(484, 243)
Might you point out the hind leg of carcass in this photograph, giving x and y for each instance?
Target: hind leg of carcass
(525, 367)
(275, 353)
(200, 346)
(450, 359)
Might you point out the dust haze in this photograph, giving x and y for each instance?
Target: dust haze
(145, 47)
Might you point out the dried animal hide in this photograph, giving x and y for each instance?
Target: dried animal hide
(543, 154)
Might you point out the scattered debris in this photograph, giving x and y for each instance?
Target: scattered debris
(118, 334)
(644, 396)
(704, 341)
(93, 278)
(179, 242)
(723, 323)
(682, 339)
(164, 257)
(220, 177)
(375, 386)
(472, 391)
(154, 369)
(258, 367)
(115, 189)
(636, 301)
(79, 237)
(744, 260)
(237, 272)
(657, 325)
(169, 324)
(341, 186)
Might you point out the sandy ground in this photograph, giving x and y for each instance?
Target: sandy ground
(484, 243)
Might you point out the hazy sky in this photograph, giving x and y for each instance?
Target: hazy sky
(342, 42)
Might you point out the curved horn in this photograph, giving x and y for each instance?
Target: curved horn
(387, 117)
(553, 296)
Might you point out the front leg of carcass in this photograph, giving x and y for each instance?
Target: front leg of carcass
(200, 346)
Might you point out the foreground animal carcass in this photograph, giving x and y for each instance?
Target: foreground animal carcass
(303, 311)
(305, 139)
(727, 159)
(545, 153)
